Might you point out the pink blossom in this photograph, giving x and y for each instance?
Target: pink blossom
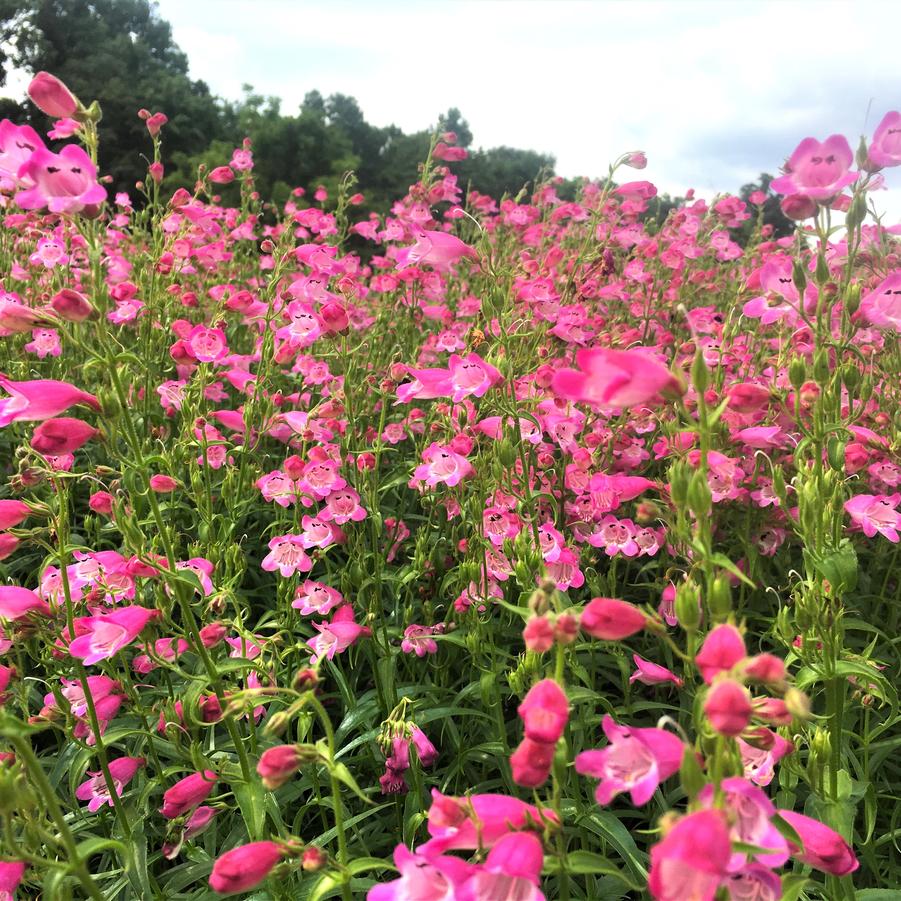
(276, 486)
(61, 435)
(315, 597)
(108, 633)
(45, 343)
(872, 513)
(65, 182)
(441, 465)
(885, 149)
(817, 170)
(286, 554)
(611, 619)
(722, 649)
(11, 873)
(471, 376)
(823, 848)
(96, 791)
(187, 793)
(637, 760)
(692, 860)
(51, 96)
(439, 250)
(544, 712)
(244, 867)
(336, 636)
(16, 603)
(39, 400)
(760, 759)
(341, 506)
(427, 878)
(479, 820)
(17, 143)
(418, 640)
(728, 707)
(614, 378)
(652, 673)
(512, 869)
(882, 306)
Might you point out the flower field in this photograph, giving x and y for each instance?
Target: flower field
(495, 549)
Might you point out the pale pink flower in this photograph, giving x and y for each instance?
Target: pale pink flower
(875, 513)
(286, 554)
(96, 791)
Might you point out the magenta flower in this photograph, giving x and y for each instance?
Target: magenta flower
(426, 878)
(882, 306)
(760, 759)
(722, 649)
(652, 673)
(316, 597)
(436, 249)
(418, 640)
(817, 169)
(40, 399)
(187, 793)
(51, 96)
(531, 763)
(441, 466)
(17, 143)
(336, 636)
(544, 712)
(343, 506)
(12, 513)
(611, 619)
(728, 707)
(287, 555)
(872, 513)
(750, 821)
(108, 633)
(823, 848)
(755, 882)
(244, 867)
(885, 150)
(511, 870)
(476, 821)
(11, 873)
(61, 436)
(637, 760)
(471, 376)
(64, 183)
(16, 602)
(692, 861)
(614, 378)
(96, 792)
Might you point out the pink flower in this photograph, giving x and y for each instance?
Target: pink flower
(544, 712)
(882, 306)
(418, 640)
(61, 436)
(287, 555)
(818, 170)
(277, 765)
(51, 96)
(750, 822)
(16, 603)
(476, 821)
(760, 759)
(96, 792)
(823, 848)
(755, 882)
(187, 793)
(162, 484)
(722, 649)
(611, 619)
(614, 378)
(439, 250)
(17, 143)
(336, 636)
(531, 763)
(276, 486)
(207, 344)
(426, 878)
(425, 750)
(652, 673)
(11, 873)
(728, 707)
(885, 149)
(511, 870)
(108, 633)
(12, 513)
(315, 597)
(40, 399)
(637, 760)
(65, 182)
(342, 506)
(692, 860)
(471, 376)
(441, 466)
(245, 867)
(71, 305)
(874, 513)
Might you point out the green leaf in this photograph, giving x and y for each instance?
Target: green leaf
(839, 566)
(792, 886)
(342, 774)
(587, 862)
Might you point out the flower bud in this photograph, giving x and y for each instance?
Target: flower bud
(611, 619)
(277, 765)
(52, 97)
(244, 867)
(728, 707)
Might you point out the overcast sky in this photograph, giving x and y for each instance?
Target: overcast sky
(714, 92)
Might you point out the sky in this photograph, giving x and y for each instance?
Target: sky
(714, 92)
